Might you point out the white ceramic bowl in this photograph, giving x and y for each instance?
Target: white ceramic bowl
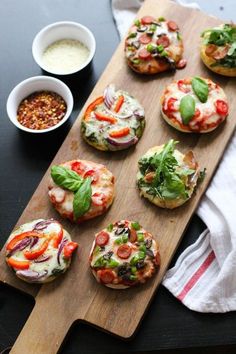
(31, 85)
(62, 30)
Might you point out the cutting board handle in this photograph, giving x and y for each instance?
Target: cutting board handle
(45, 329)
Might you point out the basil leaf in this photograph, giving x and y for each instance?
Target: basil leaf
(187, 108)
(200, 88)
(66, 178)
(82, 199)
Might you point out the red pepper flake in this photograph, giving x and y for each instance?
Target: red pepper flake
(41, 110)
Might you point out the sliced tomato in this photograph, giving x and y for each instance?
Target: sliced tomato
(132, 235)
(145, 39)
(220, 53)
(172, 26)
(14, 263)
(183, 87)
(92, 107)
(99, 199)
(210, 48)
(69, 248)
(144, 54)
(20, 237)
(102, 238)
(221, 107)
(38, 252)
(77, 167)
(147, 20)
(124, 251)
(106, 276)
(163, 40)
(92, 174)
(103, 117)
(197, 113)
(119, 103)
(119, 133)
(171, 103)
(181, 64)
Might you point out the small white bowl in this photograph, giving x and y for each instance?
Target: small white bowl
(34, 84)
(58, 31)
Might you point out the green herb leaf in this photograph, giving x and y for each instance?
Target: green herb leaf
(187, 108)
(66, 178)
(82, 199)
(135, 225)
(200, 88)
(110, 227)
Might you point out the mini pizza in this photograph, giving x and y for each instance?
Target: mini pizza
(39, 251)
(124, 255)
(154, 45)
(81, 189)
(194, 105)
(218, 49)
(114, 121)
(166, 177)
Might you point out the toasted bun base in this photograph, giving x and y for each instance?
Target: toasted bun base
(208, 61)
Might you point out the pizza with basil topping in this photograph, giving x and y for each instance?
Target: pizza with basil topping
(154, 45)
(114, 121)
(218, 49)
(166, 177)
(194, 104)
(124, 255)
(39, 251)
(81, 189)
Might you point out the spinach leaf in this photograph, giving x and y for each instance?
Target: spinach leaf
(66, 178)
(200, 88)
(187, 108)
(82, 199)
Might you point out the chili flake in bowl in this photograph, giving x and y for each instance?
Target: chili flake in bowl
(39, 104)
(41, 110)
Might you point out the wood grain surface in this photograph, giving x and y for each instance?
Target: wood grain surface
(76, 295)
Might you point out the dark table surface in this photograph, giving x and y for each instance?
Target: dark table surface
(24, 159)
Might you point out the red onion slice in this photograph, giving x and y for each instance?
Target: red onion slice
(42, 259)
(122, 143)
(20, 246)
(34, 241)
(31, 275)
(109, 95)
(41, 225)
(62, 244)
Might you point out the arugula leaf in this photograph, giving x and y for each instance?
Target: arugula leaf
(66, 178)
(82, 199)
(200, 88)
(169, 180)
(187, 108)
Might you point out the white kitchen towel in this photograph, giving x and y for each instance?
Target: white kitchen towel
(204, 276)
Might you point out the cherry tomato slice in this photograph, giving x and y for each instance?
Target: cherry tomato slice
(147, 20)
(102, 238)
(221, 107)
(163, 40)
(124, 251)
(145, 39)
(183, 87)
(181, 64)
(172, 26)
(69, 249)
(99, 199)
(92, 174)
(220, 53)
(197, 113)
(77, 167)
(211, 48)
(144, 54)
(170, 104)
(106, 276)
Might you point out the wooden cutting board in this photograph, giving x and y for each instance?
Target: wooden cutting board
(76, 295)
